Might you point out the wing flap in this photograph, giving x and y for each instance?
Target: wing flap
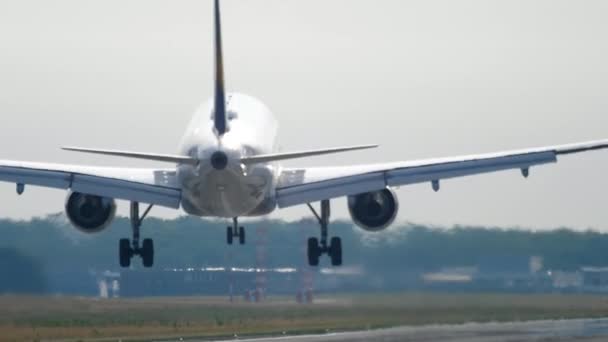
(430, 173)
(153, 186)
(300, 186)
(332, 188)
(127, 190)
(46, 178)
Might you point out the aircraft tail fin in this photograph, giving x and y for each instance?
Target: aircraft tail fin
(219, 115)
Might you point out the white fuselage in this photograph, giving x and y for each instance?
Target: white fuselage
(234, 190)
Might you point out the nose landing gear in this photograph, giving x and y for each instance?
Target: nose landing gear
(129, 248)
(317, 248)
(235, 231)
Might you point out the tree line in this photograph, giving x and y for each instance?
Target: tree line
(33, 252)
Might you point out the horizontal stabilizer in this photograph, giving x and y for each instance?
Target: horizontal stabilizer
(267, 158)
(138, 155)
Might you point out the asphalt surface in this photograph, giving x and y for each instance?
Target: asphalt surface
(566, 330)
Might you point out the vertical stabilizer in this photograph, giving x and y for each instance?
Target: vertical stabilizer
(219, 115)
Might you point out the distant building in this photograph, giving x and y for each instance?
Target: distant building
(562, 280)
(595, 279)
(108, 283)
(450, 276)
(203, 281)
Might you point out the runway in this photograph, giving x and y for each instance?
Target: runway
(565, 330)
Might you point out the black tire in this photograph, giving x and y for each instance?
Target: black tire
(242, 235)
(147, 253)
(335, 251)
(124, 252)
(313, 251)
(229, 235)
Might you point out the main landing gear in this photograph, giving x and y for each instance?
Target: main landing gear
(128, 249)
(316, 248)
(235, 231)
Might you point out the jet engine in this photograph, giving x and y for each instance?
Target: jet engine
(89, 213)
(374, 211)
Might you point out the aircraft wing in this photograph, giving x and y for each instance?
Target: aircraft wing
(307, 185)
(152, 186)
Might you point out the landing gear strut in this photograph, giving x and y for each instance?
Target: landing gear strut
(235, 231)
(128, 249)
(316, 248)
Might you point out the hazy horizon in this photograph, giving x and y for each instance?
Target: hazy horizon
(421, 78)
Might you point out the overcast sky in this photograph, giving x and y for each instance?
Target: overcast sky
(420, 78)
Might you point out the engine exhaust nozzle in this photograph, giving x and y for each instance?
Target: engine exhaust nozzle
(219, 160)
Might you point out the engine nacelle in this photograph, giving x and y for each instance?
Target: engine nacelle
(89, 213)
(374, 211)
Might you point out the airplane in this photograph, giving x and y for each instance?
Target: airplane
(228, 166)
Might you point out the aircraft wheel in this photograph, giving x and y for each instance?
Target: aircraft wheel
(147, 253)
(229, 236)
(242, 235)
(124, 251)
(313, 251)
(335, 251)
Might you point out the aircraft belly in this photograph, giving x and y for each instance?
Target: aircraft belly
(227, 193)
(224, 195)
